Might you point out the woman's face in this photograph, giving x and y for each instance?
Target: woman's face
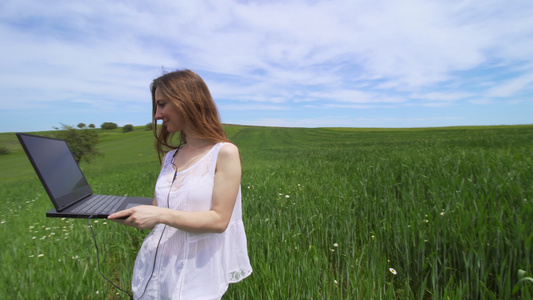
(168, 113)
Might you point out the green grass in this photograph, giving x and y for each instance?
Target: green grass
(327, 212)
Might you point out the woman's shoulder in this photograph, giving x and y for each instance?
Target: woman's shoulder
(228, 151)
(227, 146)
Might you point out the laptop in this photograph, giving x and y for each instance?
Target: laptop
(65, 183)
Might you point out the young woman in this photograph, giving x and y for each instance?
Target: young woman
(198, 244)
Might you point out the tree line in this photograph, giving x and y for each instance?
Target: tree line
(82, 142)
(111, 125)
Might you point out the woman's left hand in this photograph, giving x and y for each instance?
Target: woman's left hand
(142, 216)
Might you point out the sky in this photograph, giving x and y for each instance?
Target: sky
(290, 63)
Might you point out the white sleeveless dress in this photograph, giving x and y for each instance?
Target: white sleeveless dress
(175, 264)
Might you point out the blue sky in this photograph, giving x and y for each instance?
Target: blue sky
(273, 63)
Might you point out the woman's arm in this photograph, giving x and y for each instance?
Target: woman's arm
(225, 190)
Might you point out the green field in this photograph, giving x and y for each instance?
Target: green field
(329, 212)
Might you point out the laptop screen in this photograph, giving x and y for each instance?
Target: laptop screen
(57, 169)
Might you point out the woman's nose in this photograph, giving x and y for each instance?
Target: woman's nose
(158, 115)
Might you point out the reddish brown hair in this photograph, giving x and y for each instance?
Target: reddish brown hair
(189, 93)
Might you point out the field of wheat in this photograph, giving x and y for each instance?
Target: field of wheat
(330, 213)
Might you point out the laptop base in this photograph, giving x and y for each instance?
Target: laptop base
(131, 201)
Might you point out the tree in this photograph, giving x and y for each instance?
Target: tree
(149, 126)
(82, 142)
(82, 125)
(127, 128)
(4, 150)
(109, 125)
(91, 126)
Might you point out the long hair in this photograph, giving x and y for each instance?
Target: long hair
(189, 93)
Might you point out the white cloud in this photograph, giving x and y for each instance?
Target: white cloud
(355, 96)
(439, 96)
(512, 87)
(258, 107)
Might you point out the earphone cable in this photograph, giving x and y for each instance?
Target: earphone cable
(155, 260)
(98, 259)
(164, 226)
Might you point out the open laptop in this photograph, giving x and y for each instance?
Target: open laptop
(65, 183)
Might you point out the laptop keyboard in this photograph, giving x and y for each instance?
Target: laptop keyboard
(100, 204)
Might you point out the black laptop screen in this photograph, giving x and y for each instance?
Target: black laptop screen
(56, 168)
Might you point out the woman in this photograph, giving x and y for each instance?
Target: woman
(198, 244)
